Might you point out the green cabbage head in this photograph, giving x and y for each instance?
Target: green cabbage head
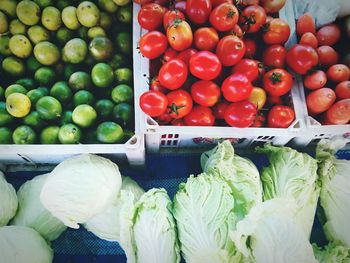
(8, 201)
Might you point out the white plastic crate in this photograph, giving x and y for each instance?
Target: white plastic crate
(175, 138)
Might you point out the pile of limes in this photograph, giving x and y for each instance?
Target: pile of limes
(65, 71)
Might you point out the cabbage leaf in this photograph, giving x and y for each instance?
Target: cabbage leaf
(334, 252)
(8, 201)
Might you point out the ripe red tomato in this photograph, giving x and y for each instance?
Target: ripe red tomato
(205, 93)
(179, 103)
(219, 110)
(186, 55)
(156, 86)
(178, 122)
(320, 100)
(339, 113)
(206, 38)
(236, 87)
(153, 44)
(274, 100)
(338, 73)
(327, 56)
(181, 6)
(328, 35)
(248, 67)
(205, 65)
(276, 32)
(170, 16)
(301, 58)
(169, 54)
(200, 116)
(173, 74)
(142, 2)
(198, 11)
(236, 30)
(153, 103)
(315, 80)
(240, 114)
(250, 48)
(259, 120)
(150, 16)
(230, 50)
(343, 90)
(164, 119)
(306, 24)
(215, 3)
(179, 35)
(280, 117)
(252, 18)
(272, 6)
(309, 39)
(277, 82)
(224, 17)
(275, 56)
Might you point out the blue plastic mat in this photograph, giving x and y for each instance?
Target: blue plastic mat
(167, 171)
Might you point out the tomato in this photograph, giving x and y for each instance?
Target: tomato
(219, 110)
(247, 2)
(153, 44)
(224, 17)
(153, 103)
(320, 100)
(248, 67)
(215, 3)
(338, 73)
(240, 114)
(259, 120)
(169, 54)
(179, 103)
(206, 38)
(273, 100)
(301, 58)
(142, 2)
(178, 122)
(236, 30)
(230, 50)
(315, 80)
(275, 56)
(327, 56)
(205, 93)
(162, 2)
(306, 24)
(170, 16)
(198, 11)
(250, 48)
(252, 18)
(181, 6)
(173, 74)
(205, 65)
(343, 90)
(150, 16)
(272, 6)
(179, 35)
(276, 32)
(200, 116)
(328, 35)
(339, 113)
(280, 117)
(258, 97)
(277, 82)
(185, 55)
(164, 119)
(155, 85)
(236, 87)
(309, 39)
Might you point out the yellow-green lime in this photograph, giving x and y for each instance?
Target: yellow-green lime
(48, 108)
(44, 3)
(83, 97)
(124, 14)
(32, 64)
(109, 132)
(61, 91)
(75, 51)
(4, 25)
(104, 108)
(84, 115)
(102, 75)
(27, 83)
(80, 80)
(88, 14)
(4, 46)
(51, 18)
(9, 7)
(20, 46)
(108, 6)
(69, 134)
(121, 2)
(49, 135)
(122, 93)
(18, 105)
(33, 120)
(13, 66)
(63, 35)
(69, 17)
(15, 88)
(5, 117)
(69, 69)
(46, 53)
(105, 21)
(123, 75)
(123, 113)
(28, 12)
(37, 34)
(24, 135)
(96, 31)
(45, 76)
(66, 117)
(35, 94)
(5, 135)
(123, 42)
(101, 48)
(17, 27)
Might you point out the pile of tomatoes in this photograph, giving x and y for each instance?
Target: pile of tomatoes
(215, 62)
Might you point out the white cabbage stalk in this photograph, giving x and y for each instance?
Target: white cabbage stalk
(334, 252)
(8, 201)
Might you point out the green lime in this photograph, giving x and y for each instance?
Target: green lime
(20, 46)
(75, 51)
(5, 46)
(17, 27)
(124, 14)
(69, 69)
(34, 95)
(83, 32)
(109, 132)
(61, 4)
(105, 21)
(32, 64)
(51, 18)
(121, 2)
(122, 93)
(48, 108)
(101, 48)
(13, 66)
(15, 88)
(123, 113)
(4, 25)
(24, 135)
(5, 117)
(80, 80)
(27, 83)
(88, 14)
(61, 91)
(90, 137)
(124, 42)
(49, 135)
(9, 7)
(44, 3)
(37, 34)
(104, 108)
(108, 6)
(102, 75)
(2, 93)
(45, 76)
(33, 120)
(96, 31)
(5, 135)
(84, 115)
(69, 17)
(63, 35)
(28, 12)
(117, 61)
(66, 117)
(83, 97)
(69, 134)
(44, 90)
(123, 75)
(46, 53)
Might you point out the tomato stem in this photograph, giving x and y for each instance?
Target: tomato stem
(230, 13)
(276, 77)
(175, 109)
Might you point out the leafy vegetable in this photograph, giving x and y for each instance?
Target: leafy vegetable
(332, 253)
(8, 201)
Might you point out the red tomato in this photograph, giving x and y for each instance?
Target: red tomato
(142, 2)
(215, 3)
(306, 24)
(237, 31)
(219, 110)
(240, 114)
(205, 65)
(250, 47)
(275, 56)
(162, 2)
(178, 122)
(339, 113)
(153, 103)
(315, 80)
(252, 18)
(280, 117)
(164, 119)
(224, 17)
(153, 44)
(179, 103)
(150, 16)
(205, 93)
(186, 55)
(328, 35)
(327, 56)
(309, 39)
(230, 50)
(170, 16)
(320, 100)
(272, 6)
(200, 116)
(259, 120)
(155, 85)
(198, 11)
(247, 2)
(248, 67)
(276, 32)
(343, 90)
(169, 54)
(277, 82)
(173, 74)
(206, 38)
(179, 35)
(301, 58)
(273, 100)
(236, 87)
(338, 73)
